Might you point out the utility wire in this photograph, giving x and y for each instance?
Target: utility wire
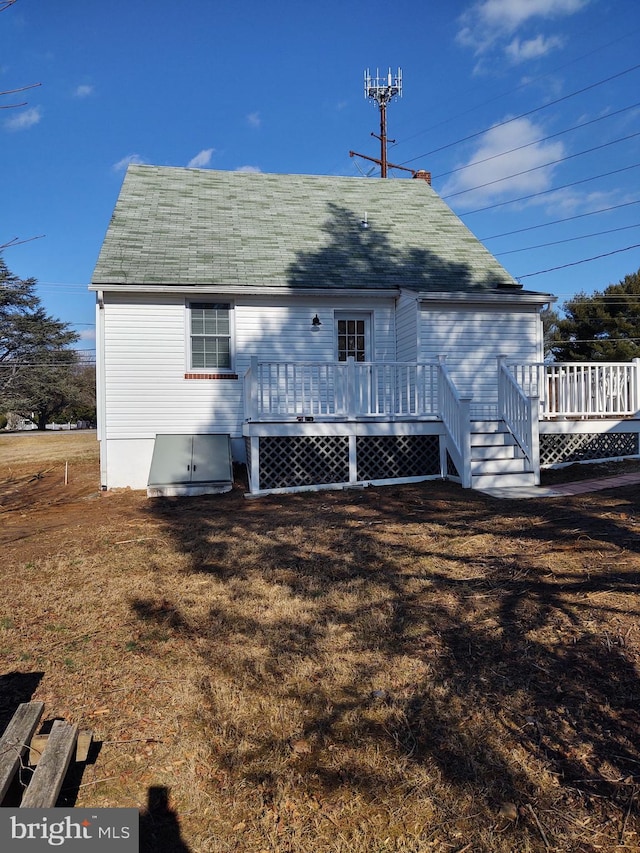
(535, 142)
(551, 190)
(567, 240)
(523, 115)
(615, 299)
(577, 263)
(543, 165)
(560, 342)
(559, 221)
(516, 89)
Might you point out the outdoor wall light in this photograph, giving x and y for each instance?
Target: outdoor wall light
(316, 322)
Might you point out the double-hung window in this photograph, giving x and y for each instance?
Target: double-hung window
(210, 335)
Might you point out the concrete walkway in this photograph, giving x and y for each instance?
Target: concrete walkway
(580, 487)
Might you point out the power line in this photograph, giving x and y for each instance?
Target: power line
(88, 362)
(613, 299)
(559, 221)
(577, 263)
(535, 142)
(515, 89)
(543, 165)
(551, 190)
(566, 240)
(562, 343)
(525, 114)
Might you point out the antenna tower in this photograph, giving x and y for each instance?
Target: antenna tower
(382, 90)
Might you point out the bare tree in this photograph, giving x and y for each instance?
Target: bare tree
(4, 5)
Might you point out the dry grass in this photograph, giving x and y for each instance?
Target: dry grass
(37, 449)
(376, 670)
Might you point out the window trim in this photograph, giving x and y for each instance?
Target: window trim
(192, 372)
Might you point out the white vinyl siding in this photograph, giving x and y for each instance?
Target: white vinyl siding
(285, 332)
(147, 354)
(407, 313)
(473, 338)
(146, 358)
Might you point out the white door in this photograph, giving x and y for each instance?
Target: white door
(353, 340)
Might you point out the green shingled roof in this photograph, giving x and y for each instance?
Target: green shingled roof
(187, 227)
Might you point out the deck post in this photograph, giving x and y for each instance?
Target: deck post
(353, 458)
(251, 378)
(465, 440)
(501, 361)
(352, 408)
(636, 384)
(254, 471)
(534, 435)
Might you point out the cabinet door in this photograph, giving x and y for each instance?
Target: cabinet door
(172, 460)
(211, 459)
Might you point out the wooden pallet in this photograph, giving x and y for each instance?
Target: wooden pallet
(51, 754)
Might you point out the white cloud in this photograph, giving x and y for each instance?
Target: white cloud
(503, 152)
(130, 159)
(253, 169)
(201, 160)
(88, 335)
(520, 51)
(510, 14)
(23, 119)
(571, 200)
(83, 91)
(488, 22)
(254, 120)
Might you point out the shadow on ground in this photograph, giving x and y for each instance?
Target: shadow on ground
(482, 649)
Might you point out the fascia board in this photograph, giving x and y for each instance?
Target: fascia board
(529, 297)
(178, 289)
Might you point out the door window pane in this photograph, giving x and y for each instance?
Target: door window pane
(352, 339)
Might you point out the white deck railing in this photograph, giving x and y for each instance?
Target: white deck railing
(283, 390)
(582, 389)
(455, 414)
(520, 410)
(277, 390)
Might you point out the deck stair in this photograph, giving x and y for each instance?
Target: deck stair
(497, 461)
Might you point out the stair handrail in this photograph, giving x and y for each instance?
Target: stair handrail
(520, 414)
(455, 414)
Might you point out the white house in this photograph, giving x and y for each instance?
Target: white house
(325, 331)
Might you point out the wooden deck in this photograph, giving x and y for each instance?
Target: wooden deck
(311, 424)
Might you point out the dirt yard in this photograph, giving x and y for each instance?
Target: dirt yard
(415, 668)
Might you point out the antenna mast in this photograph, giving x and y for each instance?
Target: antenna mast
(382, 90)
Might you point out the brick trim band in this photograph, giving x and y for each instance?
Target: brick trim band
(211, 376)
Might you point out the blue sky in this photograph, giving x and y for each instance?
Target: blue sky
(546, 93)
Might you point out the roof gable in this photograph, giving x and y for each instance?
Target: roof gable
(188, 227)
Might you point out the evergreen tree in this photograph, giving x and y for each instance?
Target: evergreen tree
(36, 364)
(601, 327)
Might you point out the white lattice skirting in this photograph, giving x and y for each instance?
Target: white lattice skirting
(288, 462)
(586, 447)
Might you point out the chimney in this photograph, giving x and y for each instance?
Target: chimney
(421, 175)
